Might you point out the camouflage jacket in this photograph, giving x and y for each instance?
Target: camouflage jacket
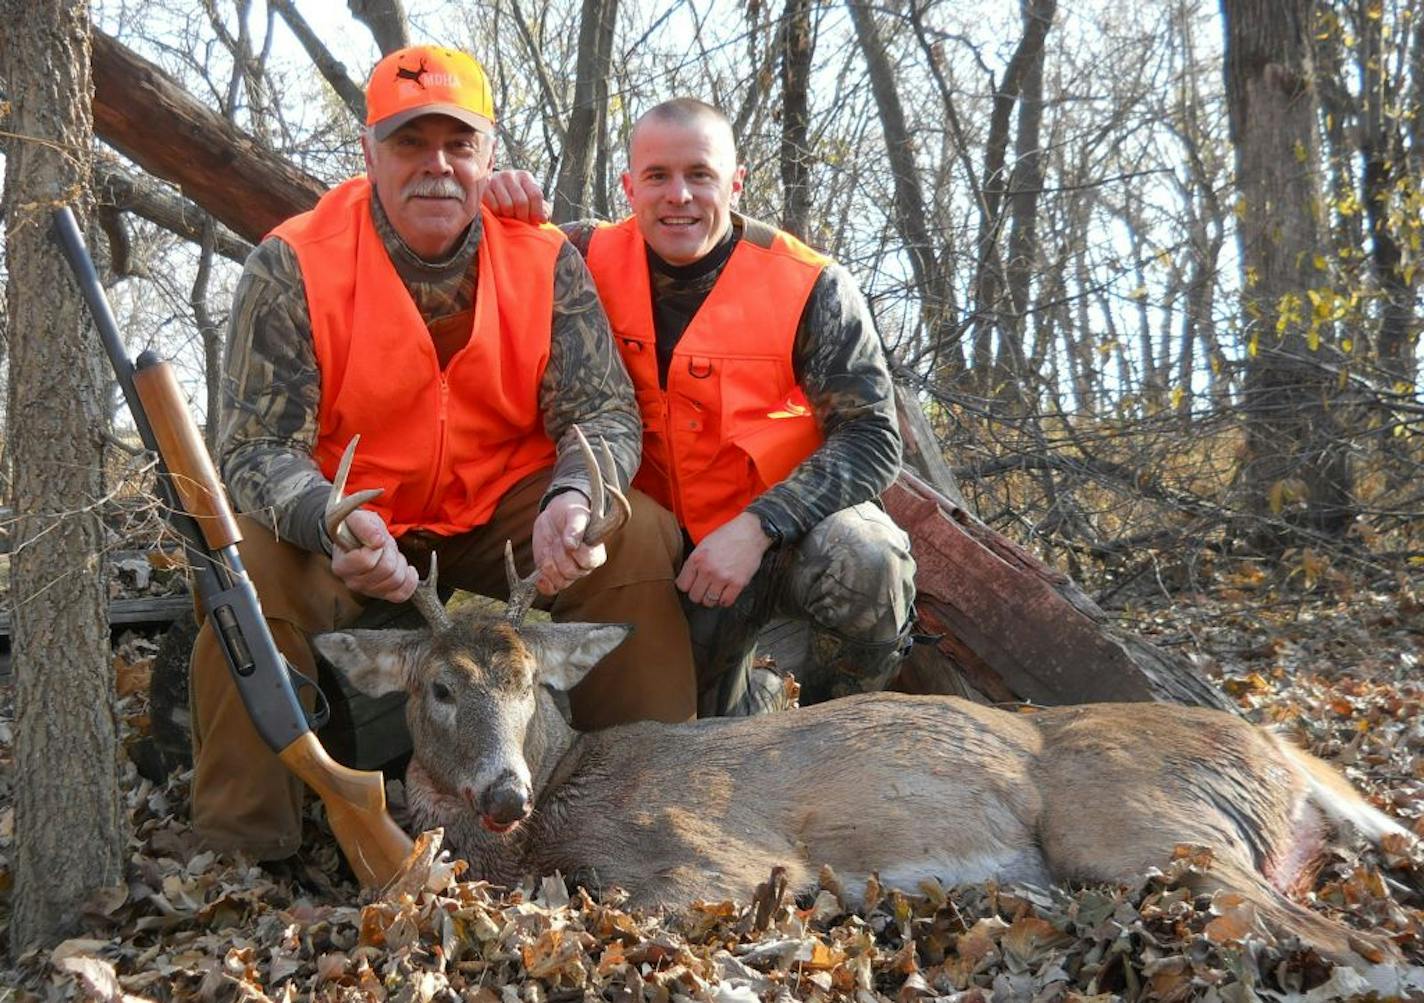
(272, 386)
(838, 360)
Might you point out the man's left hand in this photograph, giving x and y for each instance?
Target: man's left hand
(717, 570)
(559, 550)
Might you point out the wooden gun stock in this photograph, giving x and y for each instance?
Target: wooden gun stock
(355, 800)
(192, 473)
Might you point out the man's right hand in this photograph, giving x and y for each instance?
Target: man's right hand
(377, 569)
(516, 195)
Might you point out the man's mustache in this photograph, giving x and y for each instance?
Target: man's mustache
(436, 188)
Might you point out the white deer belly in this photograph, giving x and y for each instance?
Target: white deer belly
(1006, 866)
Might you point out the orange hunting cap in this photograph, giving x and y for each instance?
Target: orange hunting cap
(427, 80)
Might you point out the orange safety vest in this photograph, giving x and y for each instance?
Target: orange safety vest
(445, 445)
(731, 421)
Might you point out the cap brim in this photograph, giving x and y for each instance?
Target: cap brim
(391, 123)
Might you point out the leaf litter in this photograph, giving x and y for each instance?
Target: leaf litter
(193, 925)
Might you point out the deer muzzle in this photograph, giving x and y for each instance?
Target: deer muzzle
(505, 803)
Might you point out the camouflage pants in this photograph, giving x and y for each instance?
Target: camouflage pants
(852, 577)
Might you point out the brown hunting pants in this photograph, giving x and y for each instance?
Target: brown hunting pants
(244, 799)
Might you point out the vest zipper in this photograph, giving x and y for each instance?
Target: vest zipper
(442, 419)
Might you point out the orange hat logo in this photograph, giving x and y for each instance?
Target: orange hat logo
(405, 73)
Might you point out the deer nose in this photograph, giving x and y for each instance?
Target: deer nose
(506, 801)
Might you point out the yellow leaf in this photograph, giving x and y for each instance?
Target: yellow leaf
(1320, 263)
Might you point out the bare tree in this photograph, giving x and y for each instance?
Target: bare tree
(595, 50)
(69, 819)
(797, 46)
(1295, 465)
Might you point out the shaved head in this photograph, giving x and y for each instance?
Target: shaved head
(687, 112)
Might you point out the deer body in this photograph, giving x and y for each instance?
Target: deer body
(909, 787)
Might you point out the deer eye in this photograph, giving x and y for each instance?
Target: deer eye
(441, 693)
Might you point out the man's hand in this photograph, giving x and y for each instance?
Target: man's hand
(516, 195)
(559, 551)
(377, 568)
(717, 570)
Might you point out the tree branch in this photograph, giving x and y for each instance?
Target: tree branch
(331, 68)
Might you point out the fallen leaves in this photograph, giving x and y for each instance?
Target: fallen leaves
(190, 926)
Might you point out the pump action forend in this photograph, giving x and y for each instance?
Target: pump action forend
(198, 511)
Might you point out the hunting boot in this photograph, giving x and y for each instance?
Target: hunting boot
(840, 666)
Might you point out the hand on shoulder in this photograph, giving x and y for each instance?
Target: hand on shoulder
(516, 195)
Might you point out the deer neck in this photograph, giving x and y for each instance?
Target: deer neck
(547, 742)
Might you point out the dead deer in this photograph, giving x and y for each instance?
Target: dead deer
(907, 787)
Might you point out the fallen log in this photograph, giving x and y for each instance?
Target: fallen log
(1017, 629)
(145, 115)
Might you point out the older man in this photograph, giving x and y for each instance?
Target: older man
(769, 422)
(462, 348)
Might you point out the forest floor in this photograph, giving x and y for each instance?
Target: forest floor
(1335, 666)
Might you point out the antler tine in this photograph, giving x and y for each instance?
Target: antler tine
(521, 590)
(427, 600)
(606, 519)
(338, 506)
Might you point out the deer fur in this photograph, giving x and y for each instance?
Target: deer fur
(907, 787)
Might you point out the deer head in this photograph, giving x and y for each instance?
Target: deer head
(473, 690)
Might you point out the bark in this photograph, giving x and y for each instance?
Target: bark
(797, 48)
(69, 818)
(386, 20)
(1014, 628)
(595, 51)
(1295, 473)
(143, 114)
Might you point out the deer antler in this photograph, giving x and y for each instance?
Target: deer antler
(521, 590)
(605, 519)
(427, 600)
(609, 510)
(338, 506)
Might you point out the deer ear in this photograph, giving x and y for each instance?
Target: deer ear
(565, 652)
(376, 661)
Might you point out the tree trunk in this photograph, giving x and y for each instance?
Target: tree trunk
(797, 46)
(70, 825)
(595, 51)
(386, 20)
(1295, 472)
(911, 214)
(1025, 183)
(1386, 160)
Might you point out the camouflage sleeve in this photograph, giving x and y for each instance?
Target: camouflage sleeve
(579, 233)
(839, 362)
(585, 382)
(271, 393)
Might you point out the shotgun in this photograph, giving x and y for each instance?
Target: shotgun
(198, 511)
